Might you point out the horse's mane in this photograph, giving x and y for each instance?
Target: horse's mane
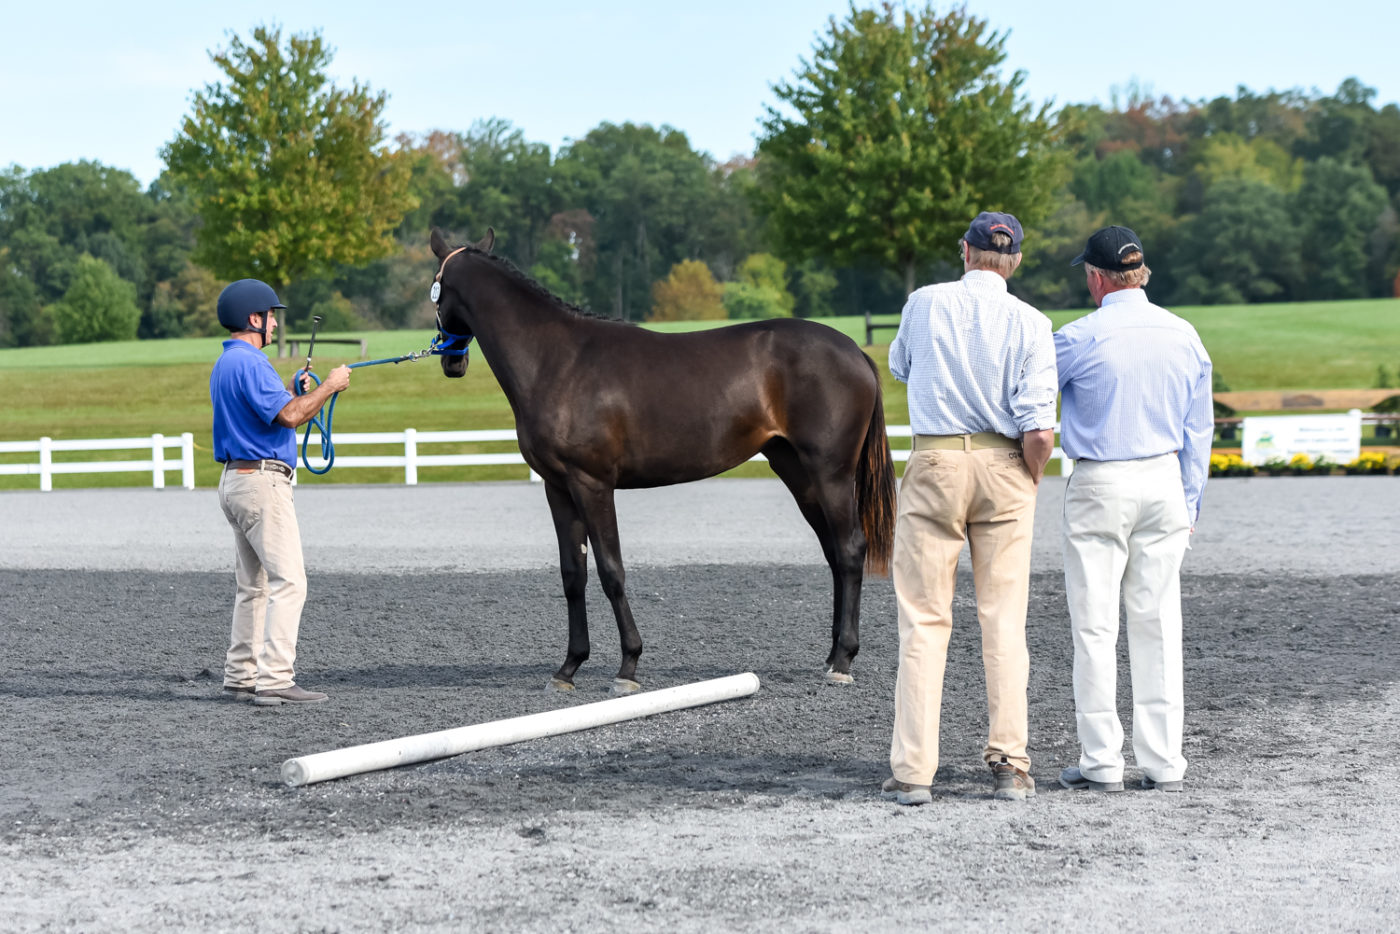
(524, 279)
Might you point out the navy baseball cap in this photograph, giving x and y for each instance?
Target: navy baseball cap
(979, 232)
(1107, 247)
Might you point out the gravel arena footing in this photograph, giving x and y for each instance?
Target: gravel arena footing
(135, 798)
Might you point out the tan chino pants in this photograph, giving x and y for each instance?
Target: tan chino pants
(986, 498)
(271, 579)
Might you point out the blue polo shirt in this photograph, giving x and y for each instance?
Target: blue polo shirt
(247, 394)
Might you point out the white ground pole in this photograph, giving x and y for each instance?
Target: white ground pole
(337, 763)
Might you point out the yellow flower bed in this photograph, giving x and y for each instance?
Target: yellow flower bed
(1230, 465)
(1368, 462)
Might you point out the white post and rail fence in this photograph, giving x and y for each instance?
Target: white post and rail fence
(411, 441)
(155, 462)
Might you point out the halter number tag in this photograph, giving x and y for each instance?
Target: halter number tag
(435, 292)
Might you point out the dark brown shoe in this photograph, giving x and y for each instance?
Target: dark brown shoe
(237, 694)
(1012, 784)
(287, 695)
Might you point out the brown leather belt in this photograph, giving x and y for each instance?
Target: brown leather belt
(973, 442)
(272, 465)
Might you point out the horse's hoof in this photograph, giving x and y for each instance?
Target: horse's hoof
(625, 686)
(832, 676)
(558, 684)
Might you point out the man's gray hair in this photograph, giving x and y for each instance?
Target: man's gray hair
(1004, 264)
(1125, 278)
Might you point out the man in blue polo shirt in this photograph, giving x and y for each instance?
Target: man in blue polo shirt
(255, 422)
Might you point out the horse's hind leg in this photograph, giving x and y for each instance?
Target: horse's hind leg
(573, 566)
(595, 503)
(843, 544)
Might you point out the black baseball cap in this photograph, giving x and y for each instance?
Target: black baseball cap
(979, 232)
(1106, 248)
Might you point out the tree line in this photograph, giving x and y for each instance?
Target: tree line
(875, 153)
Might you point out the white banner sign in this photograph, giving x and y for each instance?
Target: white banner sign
(1272, 437)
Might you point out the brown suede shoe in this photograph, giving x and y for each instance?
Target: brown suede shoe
(1012, 784)
(287, 695)
(237, 694)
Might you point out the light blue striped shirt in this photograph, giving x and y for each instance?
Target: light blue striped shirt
(976, 358)
(1135, 382)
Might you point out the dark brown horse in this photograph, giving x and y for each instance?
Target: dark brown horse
(601, 405)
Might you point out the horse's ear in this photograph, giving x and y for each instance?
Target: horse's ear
(488, 241)
(439, 245)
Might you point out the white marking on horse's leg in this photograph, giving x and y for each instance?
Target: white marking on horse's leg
(837, 677)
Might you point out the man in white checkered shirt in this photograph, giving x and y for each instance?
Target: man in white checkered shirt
(980, 365)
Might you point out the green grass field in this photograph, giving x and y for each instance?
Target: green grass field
(137, 388)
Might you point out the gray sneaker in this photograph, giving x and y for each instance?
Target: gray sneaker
(1150, 785)
(1012, 784)
(287, 695)
(1074, 780)
(905, 793)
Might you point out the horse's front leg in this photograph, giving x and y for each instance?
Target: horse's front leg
(573, 566)
(595, 502)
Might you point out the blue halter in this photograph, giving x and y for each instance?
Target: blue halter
(443, 344)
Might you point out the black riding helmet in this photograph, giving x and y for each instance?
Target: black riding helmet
(244, 298)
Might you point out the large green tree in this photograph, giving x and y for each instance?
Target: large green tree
(508, 188)
(288, 173)
(894, 135)
(1337, 210)
(99, 306)
(653, 201)
(51, 217)
(1242, 247)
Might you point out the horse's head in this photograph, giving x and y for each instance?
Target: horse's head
(449, 293)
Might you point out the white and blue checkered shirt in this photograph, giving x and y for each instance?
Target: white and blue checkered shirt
(1135, 382)
(975, 358)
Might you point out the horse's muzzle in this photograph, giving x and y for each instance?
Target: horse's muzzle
(454, 367)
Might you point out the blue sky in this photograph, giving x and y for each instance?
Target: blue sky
(110, 82)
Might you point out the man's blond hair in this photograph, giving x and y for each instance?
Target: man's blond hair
(1125, 278)
(1003, 264)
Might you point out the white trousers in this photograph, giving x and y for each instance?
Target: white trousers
(1125, 534)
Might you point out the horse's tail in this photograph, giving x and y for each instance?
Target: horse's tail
(875, 488)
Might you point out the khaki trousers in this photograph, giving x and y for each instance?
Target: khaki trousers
(271, 579)
(1125, 534)
(986, 498)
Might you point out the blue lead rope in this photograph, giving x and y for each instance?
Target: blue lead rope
(441, 346)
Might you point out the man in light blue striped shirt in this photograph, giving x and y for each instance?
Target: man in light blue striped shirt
(1137, 416)
(980, 365)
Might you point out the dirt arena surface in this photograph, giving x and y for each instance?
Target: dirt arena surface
(133, 797)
